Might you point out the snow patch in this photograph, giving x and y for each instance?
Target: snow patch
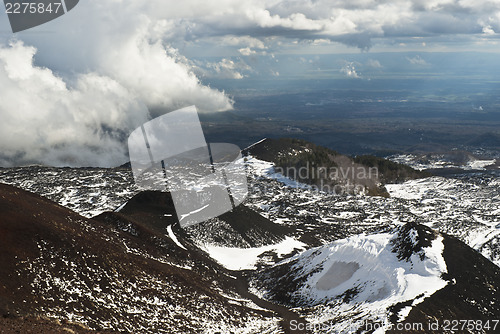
(441, 161)
(266, 169)
(246, 258)
(365, 267)
(173, 237)
(120, 208)
(480, 164)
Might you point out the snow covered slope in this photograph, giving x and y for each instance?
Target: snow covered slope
(87, 191)
(467, 207)
(359, 279)
(113, 273)
(359, 262)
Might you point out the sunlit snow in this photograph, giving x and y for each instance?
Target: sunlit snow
(247, 258)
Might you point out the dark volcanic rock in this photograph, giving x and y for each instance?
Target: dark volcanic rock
(113, 272)
(472, 294)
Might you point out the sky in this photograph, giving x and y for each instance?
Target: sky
(73, 89)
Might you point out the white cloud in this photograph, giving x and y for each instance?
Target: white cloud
(109, 75)
(373, 63)
(488, 30)
(247, 41)
(158, 75)
(253, 24)
(84, 118)
(248, 24)
(247, 51)
(417, 60)
(349, 70)
(226, 69)
(44, 120)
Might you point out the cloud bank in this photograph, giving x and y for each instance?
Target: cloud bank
(80, 111)
(44, 120)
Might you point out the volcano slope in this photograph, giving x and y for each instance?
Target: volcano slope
(121, 271)
(403, 280)
(114, 272)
